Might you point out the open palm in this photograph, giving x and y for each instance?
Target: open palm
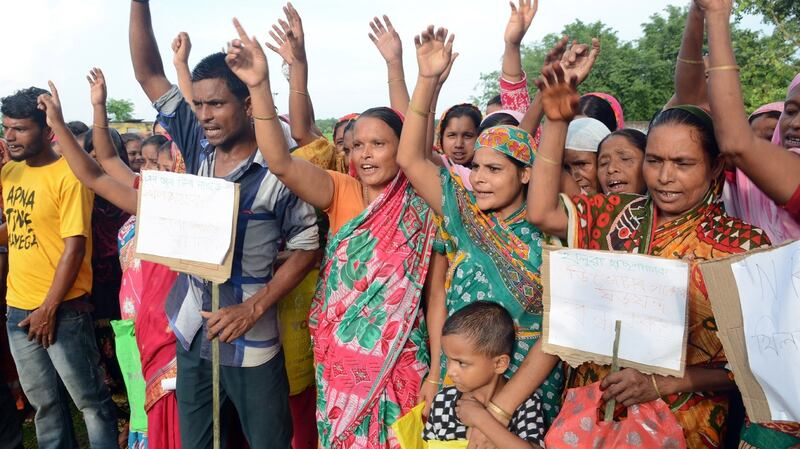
(246, 58)
(386, 39)
(520, 20)
(559, 95)
(579, 59)
(434, 51)
(97, 84)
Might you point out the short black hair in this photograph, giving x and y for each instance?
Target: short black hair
(495, 100)
(156, 140)
(634, 136)
(166, 147)
(24, 104)
(386, 115)
(699, 120)
(497, 119)
(77, 127)
(131, 137)
(214, 67)
(460, 110)
(488, 325)
(770, 114)
(598, 109)
(116, 141)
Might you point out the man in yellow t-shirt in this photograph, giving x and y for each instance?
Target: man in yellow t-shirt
(48, 229)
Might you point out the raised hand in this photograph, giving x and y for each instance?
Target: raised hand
(290, 36)
(559, 95)
(714, 5)
(579, 59)
(181, 47)
(520, 20)
(434, 52)
(386, 39)
(446, 74)
(97, 83)
(246, 58)
(557, 52)
(51, 105)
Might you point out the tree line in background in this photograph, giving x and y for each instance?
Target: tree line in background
(640, 73)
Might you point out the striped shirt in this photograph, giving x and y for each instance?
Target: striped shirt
(269, 215)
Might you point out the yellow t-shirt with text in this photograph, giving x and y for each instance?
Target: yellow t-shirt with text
(42, 207)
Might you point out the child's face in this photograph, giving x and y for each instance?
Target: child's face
(468, 369)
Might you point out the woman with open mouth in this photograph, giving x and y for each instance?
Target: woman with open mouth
(497, 253)
(682, 218)
(366, 320)
(619, 162)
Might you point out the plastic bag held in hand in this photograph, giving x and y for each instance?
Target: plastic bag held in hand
(651, 425)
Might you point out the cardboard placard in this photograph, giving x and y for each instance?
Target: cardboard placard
(186, 222)
(586, 291)
(756, 301)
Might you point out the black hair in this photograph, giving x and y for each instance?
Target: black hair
(77, 127)
(166, 147)
(487, 325)
(214, 67)
(345, 123)
(116, 142)
(495, 100)
(386, 115)
(350, 125)
(703, 126)
(131, 137)
(633, 136)
(24, 104)
(156, 140)
(598, 109)
(770, 114)
(460, 110)
(497, 119)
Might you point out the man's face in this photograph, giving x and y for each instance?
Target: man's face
(25, 138)
(223, 116)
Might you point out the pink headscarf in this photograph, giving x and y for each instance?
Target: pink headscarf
(755, 207)
(769, 107)
(616, 106)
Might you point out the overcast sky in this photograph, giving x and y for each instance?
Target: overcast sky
(62, 39)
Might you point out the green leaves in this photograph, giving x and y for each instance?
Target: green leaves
(122, 110)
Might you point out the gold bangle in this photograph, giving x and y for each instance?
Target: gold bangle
(435, 382)
(416, 111)
(655, 385)
(494, 407)
(691, 61)
(98, 125)
(543, 158)
(300, 92)
(396, 79)
(269, 117)
(721, 68)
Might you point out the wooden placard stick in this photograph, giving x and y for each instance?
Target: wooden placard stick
(610, 405)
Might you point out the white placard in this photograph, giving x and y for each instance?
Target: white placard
(590, 290)
(769, 293)
(185, 217)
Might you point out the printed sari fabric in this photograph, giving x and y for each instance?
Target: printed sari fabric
(774, 435)
(626, 223)
(323, 154)
(497, 260)
(143, 293)
(370, 344)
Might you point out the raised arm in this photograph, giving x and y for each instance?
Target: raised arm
(560, 99)
(104, 149)
(431, 129)
(301, 113)
(389, 45)
(535, 112)
(146, 60)
(181, 47)
(85, 168)
(690, 69)
(310, 183)
(518, 24)
(434, 52)
(773, 169)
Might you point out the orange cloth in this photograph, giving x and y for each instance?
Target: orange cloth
(347, 201)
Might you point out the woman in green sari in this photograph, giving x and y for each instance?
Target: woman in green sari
(495, 253)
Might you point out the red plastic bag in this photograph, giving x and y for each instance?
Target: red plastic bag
(650, 425)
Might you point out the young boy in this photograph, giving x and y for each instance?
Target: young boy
(478, 341)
